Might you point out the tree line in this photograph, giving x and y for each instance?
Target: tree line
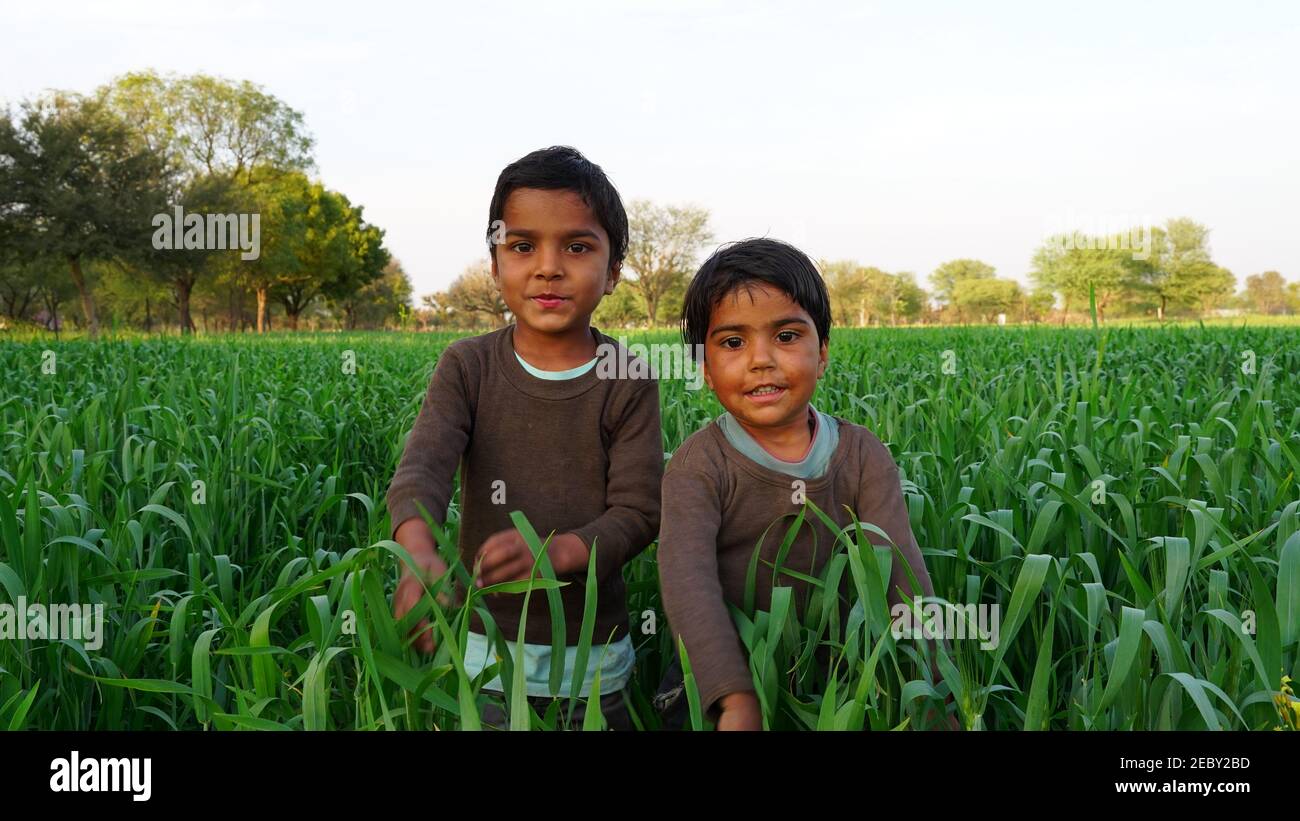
(1170, 273)
(91, 184)
(98, 193)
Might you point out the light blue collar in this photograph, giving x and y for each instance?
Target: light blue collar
(571, 373)
(812, 466)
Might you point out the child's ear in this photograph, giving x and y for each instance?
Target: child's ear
(496, 276)
(708, 379)
(615, 273)
(822, 359)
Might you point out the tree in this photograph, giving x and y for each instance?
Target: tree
(846, 287)
(859, 293)
(1037, 304)
(1293, 297)
(663, 244)
(1152, 274)
(183, 268)
(1100, 268)
(379, 302)
(986, 298)
(209, 126)
(622, 308)
(1201, 284)
(20, 283)
(125, 293)
(337, 251)
(436, 313)
(910, 299)
(75, 184)
(364, 265)
(1188, 273)
(282, 204)
(946, 276)
(1181, 267)
(219, 138)
(862, 294)
(475, 292)
(1266, 293)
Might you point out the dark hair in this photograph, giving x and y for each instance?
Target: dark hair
(768, 261)
(563, 168)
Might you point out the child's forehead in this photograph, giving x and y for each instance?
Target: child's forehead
(755, 299)
(752, 293)
(542, 206)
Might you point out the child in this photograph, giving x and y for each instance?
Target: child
(533, 427)
(761, 312)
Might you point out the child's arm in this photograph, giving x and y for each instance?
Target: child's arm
(880, 502)
(631, 517)
(424, 475)
(693, 598)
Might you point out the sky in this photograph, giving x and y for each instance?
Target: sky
(898, 134)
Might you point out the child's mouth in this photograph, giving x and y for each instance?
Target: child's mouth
(766, 394)
(549, 301)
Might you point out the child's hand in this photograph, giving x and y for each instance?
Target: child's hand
(505, 557)
(740, 711)
(415, 536)
(410, 590)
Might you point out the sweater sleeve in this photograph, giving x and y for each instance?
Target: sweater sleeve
(691, 590)
(880, 502)
(434, 447)
(636, 466)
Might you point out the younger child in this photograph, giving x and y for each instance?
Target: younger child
(761, 312)
(532, 426)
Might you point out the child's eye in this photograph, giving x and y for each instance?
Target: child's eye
(522, 247)
(727, 343)
(788, 336)
(579, 246)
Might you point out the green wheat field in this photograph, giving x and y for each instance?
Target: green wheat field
(1127, 497)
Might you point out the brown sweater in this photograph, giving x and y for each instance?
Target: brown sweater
(716, 504)
(582, 455)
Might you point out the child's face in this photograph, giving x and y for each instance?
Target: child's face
(759, 339)
(554, 266)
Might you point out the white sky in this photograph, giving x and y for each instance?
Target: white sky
(901, 135)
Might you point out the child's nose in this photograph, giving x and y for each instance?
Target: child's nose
(760, 355)
(549, 264)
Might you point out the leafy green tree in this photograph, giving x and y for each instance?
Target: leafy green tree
(126, 294)
(1202, 284)
(1037, 304)
(219, 139)
(475, 293)
(946, 276)
(337, 251)
(623, 308)
(1188, 273)
(76, 185)
(20, 283)
(1266, 293)
(986, 298)
(377, 303)
(846, 287)
(282, 204)
(910, 299)
(1097, 267)
(663, 245)
(863, 294)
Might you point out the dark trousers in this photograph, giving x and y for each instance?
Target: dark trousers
(670, 701)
